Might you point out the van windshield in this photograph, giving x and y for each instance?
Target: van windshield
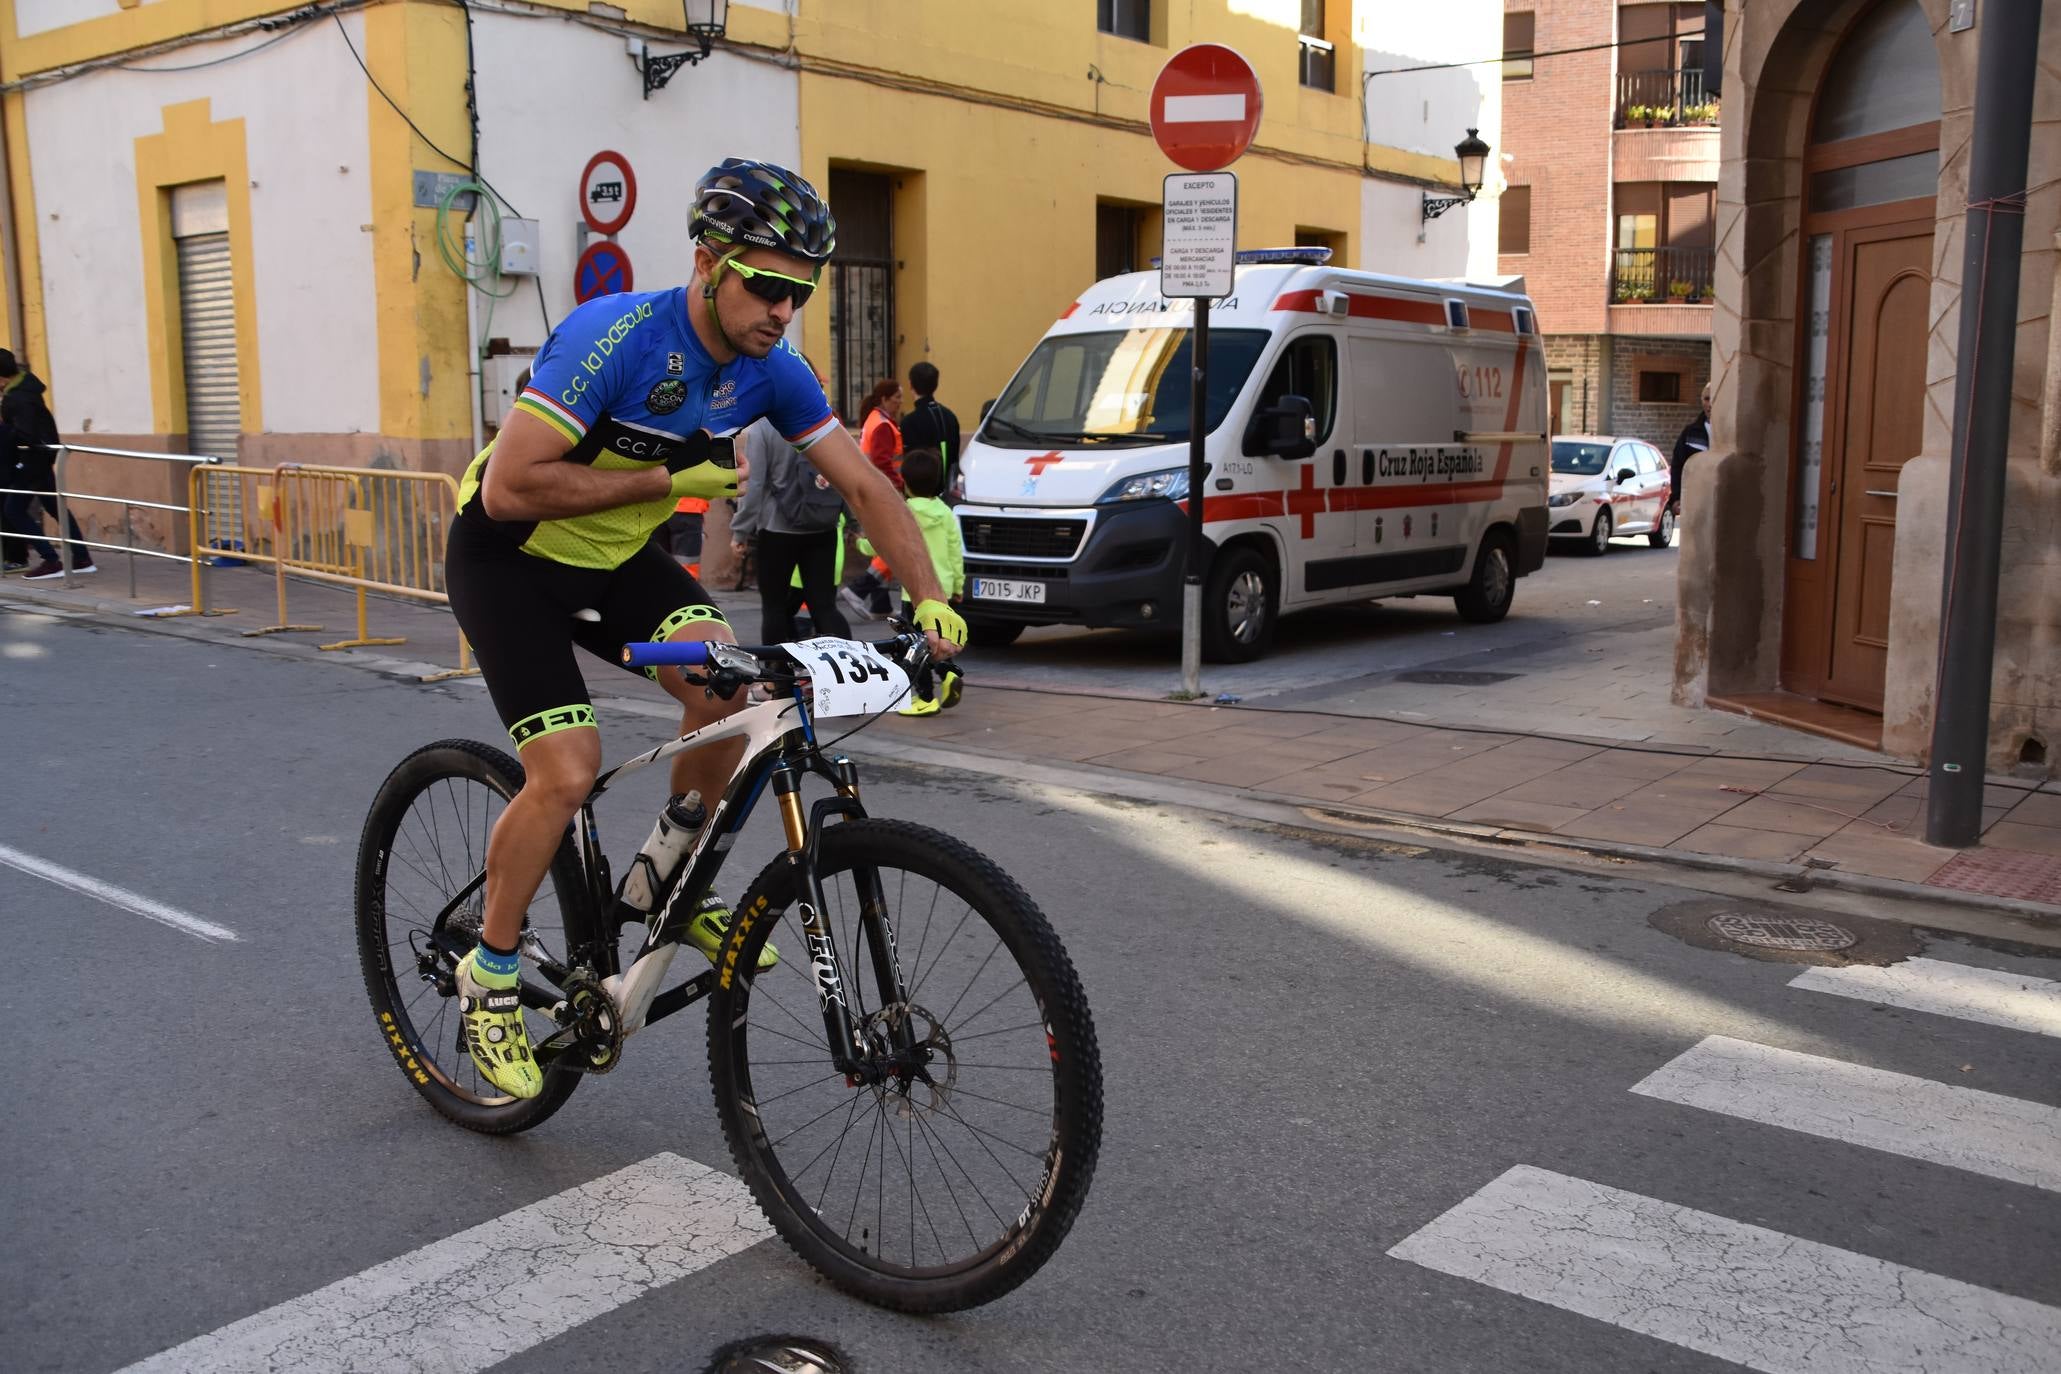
(1583, 460)
(1123, 387)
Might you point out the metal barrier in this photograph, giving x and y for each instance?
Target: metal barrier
(369, 529)
(63, 496)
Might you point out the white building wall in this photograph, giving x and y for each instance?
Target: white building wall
(305, 130)
(533, 150)
(1429, 112)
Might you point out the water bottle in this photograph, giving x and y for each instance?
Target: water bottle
(670, 839)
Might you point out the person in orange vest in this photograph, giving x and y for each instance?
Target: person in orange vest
(880, 435)
(683, 531)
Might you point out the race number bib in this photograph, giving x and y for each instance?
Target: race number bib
(850, 678)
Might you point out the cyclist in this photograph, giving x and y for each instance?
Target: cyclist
(550, 547)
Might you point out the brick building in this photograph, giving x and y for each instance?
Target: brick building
(1610, 166)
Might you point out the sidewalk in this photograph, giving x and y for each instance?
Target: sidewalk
(1837, 815)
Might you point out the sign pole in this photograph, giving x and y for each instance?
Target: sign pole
(1191, 591)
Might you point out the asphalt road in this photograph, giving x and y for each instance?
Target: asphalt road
(1316, 1050)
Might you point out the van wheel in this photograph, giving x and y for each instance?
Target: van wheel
(993, 634)
(1240, 603)
(1599, 537)
(1487, 596)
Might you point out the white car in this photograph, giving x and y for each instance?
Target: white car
(1604, 487)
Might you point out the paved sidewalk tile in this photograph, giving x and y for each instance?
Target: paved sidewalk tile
(1144, 760)
(1428, 795)
(2027, 839)
(2043, 808)
(1787, 817)
(1736, 842)
(1861, 849)
(1518, 815)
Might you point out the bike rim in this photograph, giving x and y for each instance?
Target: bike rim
(923, 1180)
(438, 845)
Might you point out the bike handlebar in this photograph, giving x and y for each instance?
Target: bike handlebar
(694, 653)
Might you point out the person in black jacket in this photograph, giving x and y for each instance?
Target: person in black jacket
(28, 434)
(929, 425)
(1694, 439)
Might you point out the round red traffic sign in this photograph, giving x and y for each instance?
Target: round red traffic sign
(608, 192)
(1205, 107)
(603, 270)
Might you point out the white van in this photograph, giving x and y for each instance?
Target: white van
(1368, 436)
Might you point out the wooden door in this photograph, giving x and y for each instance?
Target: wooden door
(1836, 614)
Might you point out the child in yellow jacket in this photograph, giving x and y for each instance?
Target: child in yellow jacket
(923, 477)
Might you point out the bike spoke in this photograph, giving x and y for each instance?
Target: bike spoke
(947, 1017)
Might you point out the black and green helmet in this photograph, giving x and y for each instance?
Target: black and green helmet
(746, 202)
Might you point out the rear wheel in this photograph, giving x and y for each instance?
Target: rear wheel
(1487, 596)
(1240, 603)
(1599, 537)
(424, 840)
(951, 1170)
(1663, 533)
(993, 634)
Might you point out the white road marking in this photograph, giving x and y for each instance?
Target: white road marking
(1743, 1293)
(1964, 1128)
(1932, 985)
(1204, 109)
(474, 1299)
(121, 897)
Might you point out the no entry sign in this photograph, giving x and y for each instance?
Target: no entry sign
(603, 270)
(608, 192)
(1205, 107)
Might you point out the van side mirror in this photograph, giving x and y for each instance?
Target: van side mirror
(1285, 429)
(1624, 475)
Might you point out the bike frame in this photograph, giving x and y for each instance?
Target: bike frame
(780, 750)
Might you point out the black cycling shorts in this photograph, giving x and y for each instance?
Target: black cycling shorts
(518, 612)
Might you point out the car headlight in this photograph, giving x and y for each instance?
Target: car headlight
(1565, 498)
(1170, 483)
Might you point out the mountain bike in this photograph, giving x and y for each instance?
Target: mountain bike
(912, 1092)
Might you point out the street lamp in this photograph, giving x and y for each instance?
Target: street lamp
(706, 21)
(1473, 156)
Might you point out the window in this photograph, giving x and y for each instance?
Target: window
(1308, 368)
(1319, 62)
(1116, 239)
(1513, 220)
(1307, 236)
(1645, 461)
(1660, 388)
(1517, 45)
(1125, 18)
(1117, 388)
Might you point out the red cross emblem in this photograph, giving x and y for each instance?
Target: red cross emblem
(1041, 462)
(1307, 502)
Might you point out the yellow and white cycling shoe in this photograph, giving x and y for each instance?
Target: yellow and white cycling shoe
(495, 1035)
(710, 930)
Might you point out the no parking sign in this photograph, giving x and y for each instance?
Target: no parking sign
(603, 270)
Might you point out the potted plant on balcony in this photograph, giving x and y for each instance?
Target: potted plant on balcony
(1636, 116)
(1680, 292)
(1634, 295)
(1705, 114)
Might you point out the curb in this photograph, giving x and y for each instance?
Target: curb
(1276, 808)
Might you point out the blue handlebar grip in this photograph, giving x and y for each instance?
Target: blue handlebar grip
(685, 653)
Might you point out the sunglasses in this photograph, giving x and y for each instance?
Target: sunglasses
(773, 287)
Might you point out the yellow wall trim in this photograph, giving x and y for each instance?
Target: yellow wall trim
(26, 271)
(194, 147)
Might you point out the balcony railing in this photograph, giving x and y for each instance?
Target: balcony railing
(1662, 276)
(1664, 99)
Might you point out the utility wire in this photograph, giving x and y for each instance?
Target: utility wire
(1526, 56)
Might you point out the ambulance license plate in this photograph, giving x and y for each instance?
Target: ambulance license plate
(1006, 589)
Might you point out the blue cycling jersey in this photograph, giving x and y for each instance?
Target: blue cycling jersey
(625, 380)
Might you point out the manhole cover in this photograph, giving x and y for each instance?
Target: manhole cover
(778, 1355)
(1781, 932)
(1454, 677)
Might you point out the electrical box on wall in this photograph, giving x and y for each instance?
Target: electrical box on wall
(519, 248)
(498, 390)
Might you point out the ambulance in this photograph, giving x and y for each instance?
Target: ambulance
(1366, 436)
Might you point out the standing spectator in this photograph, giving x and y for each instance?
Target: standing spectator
(879, 433)
(930, 425)
(1695, 438)
(793, 519)
(28, 435)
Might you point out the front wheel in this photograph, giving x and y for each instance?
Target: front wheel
(1241, 600)
(1599, 537)
(425, 839)
(950, 1168)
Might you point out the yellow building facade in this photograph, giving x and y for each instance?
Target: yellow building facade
(996, 159)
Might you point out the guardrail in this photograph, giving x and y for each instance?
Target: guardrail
(369, 529)
(64, 496)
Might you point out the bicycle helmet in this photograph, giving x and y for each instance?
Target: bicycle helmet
(742, 201)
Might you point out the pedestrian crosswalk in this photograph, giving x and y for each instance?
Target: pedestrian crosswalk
(1758, 1297)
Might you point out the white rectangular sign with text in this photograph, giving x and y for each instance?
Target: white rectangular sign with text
(1200, 244)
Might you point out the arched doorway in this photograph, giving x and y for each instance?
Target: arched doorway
(1870, 187)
